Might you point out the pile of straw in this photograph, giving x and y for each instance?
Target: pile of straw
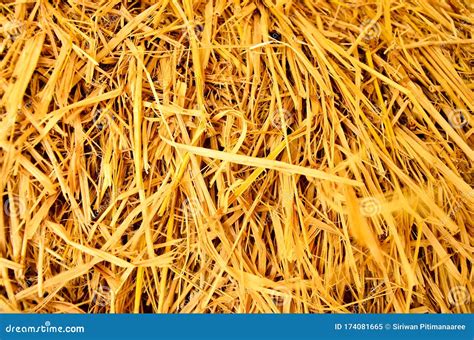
(232, 156)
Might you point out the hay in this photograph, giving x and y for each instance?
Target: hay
(236, 156)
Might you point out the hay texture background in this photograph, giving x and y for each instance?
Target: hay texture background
(236, 156)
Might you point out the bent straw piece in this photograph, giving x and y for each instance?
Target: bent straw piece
(263, 163)
(328, 165)
(23, 72)
(61, 232)
(56, 115)
(5, 263)
(60, 280)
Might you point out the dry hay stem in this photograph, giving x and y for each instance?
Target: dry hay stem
(236, 156)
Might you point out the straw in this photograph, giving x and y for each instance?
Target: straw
(236, 156)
